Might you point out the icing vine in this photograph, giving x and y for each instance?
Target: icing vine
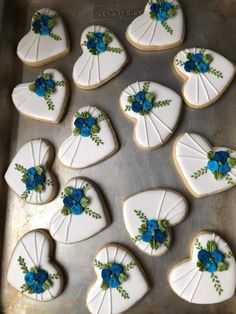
(88, 126)
(98, 42)
(211, 260)
(113, 275)
(161, 11)
(152, 231)
(144, 101)
(44, 86)
(199, 63)
(75, 202)
(36, 280)
(43, 24)
(219, 164)
(34, 179)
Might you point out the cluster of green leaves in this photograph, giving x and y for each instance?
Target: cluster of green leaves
(22, 264)
(199, 173)
(121, 278)
(162, 103)
(198, 244)
(211, 247)
(215, 72)
(51, 23)
(216, 284)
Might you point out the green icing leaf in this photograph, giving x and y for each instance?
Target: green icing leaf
(211, 246)
(76, 132)
(65, 211)
(32, 87)
(68, 191)
(104, 285)
(210, 155)
(84, 202)
(122, 277)
(222, 266)
(231, 162)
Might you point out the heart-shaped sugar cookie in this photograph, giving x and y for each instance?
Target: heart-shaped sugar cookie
(209, 276)
(92, 140)
(44, 99)
(28, 175)
(46, 41)
(206, 73)
(81, 214)
(120, 281)
(30, 270)
(149, 216)
(205, 169)
(103, 57)
(155, 110)
(161, 26)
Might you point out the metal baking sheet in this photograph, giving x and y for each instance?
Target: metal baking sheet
(209, 24)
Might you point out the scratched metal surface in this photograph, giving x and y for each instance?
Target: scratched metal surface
(209, 24)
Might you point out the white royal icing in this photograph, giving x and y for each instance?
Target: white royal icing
(32, 154)
(81, 152)
(75, 228)
(90, 70)
(195, 286)
(202, 89)
(190, 154)
(36, 49)
(148, 34)
(33, 106)
(34, 248)
(110, 301)
(154, 128)
(157, 204)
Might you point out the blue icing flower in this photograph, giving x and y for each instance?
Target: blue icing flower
(140, 96)
(160, 236)
(197, 57)
(85, 131)
(29, 279)
(68, 201)
(31, 172)
(79, 123)
(204, 256)
(91, 44)
(76, 209)
(213, 165)
(90, 121)
(217, 256)
(40, 179)
(40, 91)
(106, 274)
(78, 194)
(50, 84)
(113, 283)
(44, 30)
(162, 16)
(45, 19)
(152, 225)
(136, 107)
(146, 236)
(211, 267)
(116, 269)
(39, 81)
(30, 185)
(166, 6)
(101, 47)
(203, 67)
(98, 35)
(147, 105)
(37, 289)
(37, 24)
(155, 8)
(189, 66)
(41, 276)
(221, 156)
(224, 169)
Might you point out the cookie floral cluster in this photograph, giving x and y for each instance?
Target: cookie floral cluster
(144, 101)
(44, 86)
(199, 63)
(34, 179)
(88, 126)
(43, 24)
(113, 275)
(75, 202)
(97, 42)
(220, 164)
(36, 280)
(211, 259)
(152, 231)
(161, 11)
